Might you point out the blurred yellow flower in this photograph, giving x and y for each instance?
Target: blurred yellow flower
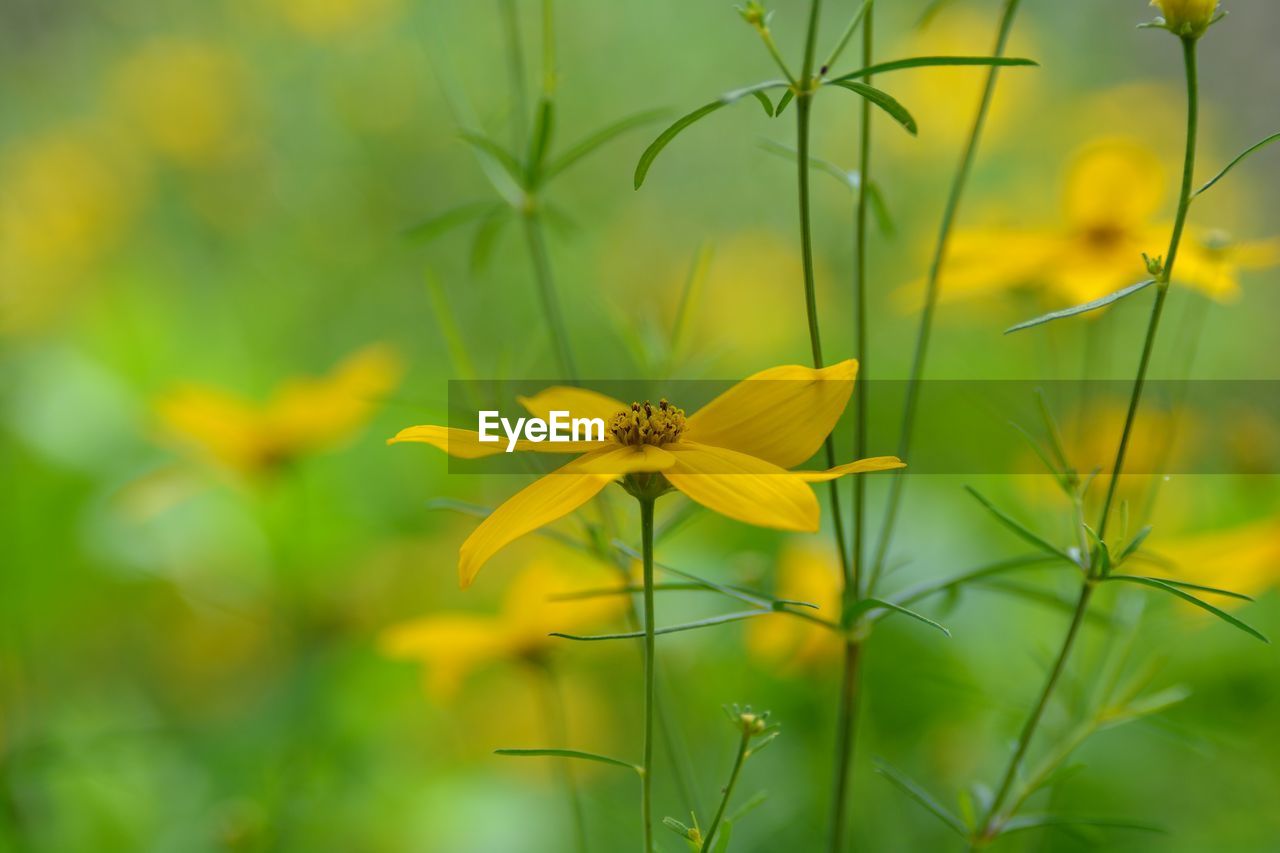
(805, 573)
(1112, 192)
(187, 99)
(326, 18)
(70, 195)
(1245, 558)
(453, 646)
(732, 456)
(303, 416)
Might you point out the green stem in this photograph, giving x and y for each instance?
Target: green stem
(1162, 283)
(728, 789)
(990, 824)
(548, 50)
(515, 70)
(847, 714)
(646, 781)
(949, 215)
(537, 243)
(992, 821)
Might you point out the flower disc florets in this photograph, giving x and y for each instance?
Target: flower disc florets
(645, 423)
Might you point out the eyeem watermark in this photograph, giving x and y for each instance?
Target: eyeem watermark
(558, 428)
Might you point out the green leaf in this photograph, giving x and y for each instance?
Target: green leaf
(927, 588)
(598, 139)
(723, 836)
(1026, 534)
(866, 605)
(496, 153)
(1093, 305)
(570, 753)
(787, 97)
(884, 221)
(1203, 605)
(1055, 435)
(934, 62)
(921, 796)
(539, 141)
(670, 629)
(883, 100)
(441, 223)
(764, 102)
(1134, 544)
(1025, 822)
(1185, 585)
(486, 236)
(1257, 145)
(753, 802)
(655, 148)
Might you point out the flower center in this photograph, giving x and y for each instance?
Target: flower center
(645, 423)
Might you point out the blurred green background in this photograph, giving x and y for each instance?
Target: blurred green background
(211, 318)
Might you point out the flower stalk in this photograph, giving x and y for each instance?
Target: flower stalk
(646, 778)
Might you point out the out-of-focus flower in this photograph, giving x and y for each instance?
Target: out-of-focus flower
(304, 415)
(70, 196)
(328, 18)
(1111, 194)
(806, 572)
(1186, 17)
(732, 456)
(187, 100)
(1245, 558)
(453, 646)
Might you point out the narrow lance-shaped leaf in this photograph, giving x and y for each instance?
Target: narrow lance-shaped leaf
(598, 139)
(670, 629)
(1019, 529)
(921, 796)
(1213, 590)
(1093, 305)
(1134, 544)
(764, 102)
(539, 141)
(1025, 822)
(1252, 148)
(1203, 605)
(865, 605)
(934, 62)
(883, 100)
(444, 222)
(655, 148)
(496, 153)
(486, 236)
(569, 753)
(787, 97)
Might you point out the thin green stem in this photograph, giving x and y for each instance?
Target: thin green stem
(923, 334)
(548, 50)
(990, 825)
(863, 11)
(728, 790)
(515, 70)
(646, 781)
(537, 243)
(810, 42)
(847, 713)
(1166, 274)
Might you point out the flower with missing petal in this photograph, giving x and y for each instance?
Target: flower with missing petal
(733, 456)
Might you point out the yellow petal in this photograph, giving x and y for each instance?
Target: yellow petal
(621, 460)
(466, 444)
(1114, 184)
(450, 647)
(862, 466)
(578, 402)
(781, 415)
(546, 499)
(743, 487)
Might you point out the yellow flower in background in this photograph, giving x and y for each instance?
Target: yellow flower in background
(187, 100)
(1111, 195)
(303, 416)
(1187, 17)
(1218, 260)
(806, 572)
(70, 196)
(453, 646)
(732, 456)
(326, 18)
(1245, 558)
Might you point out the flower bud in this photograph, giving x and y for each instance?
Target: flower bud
(754, 14)
(1186, 18)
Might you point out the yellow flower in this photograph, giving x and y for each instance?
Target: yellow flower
(70, 196)
(452, 646)
(1187, 17)
(732, 456)
(1243, 559)
(187, 100)
(327, 18)
(1111, 194)
(805, 573)
(303, 415)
